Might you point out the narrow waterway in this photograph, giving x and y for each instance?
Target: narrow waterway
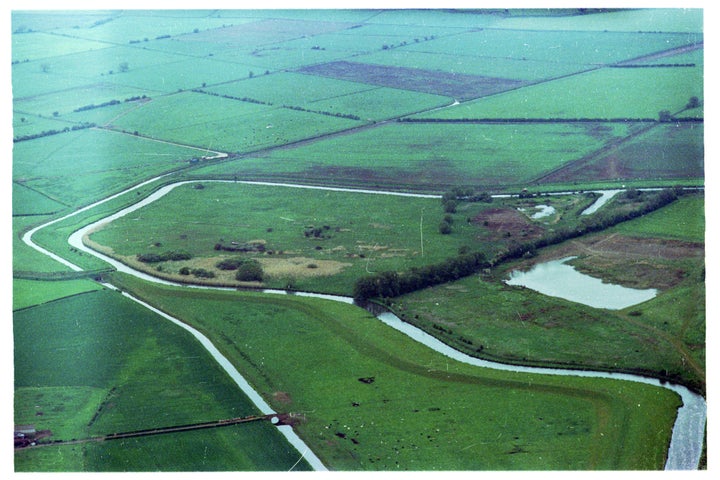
(688, 432)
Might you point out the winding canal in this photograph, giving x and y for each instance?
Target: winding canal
(688, 432)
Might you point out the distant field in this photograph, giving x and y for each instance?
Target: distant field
(663, 20)
(665, 152)
(29, 202)
(82, 364)
(77, 167)
(470, 64)
(606, 93)
(331, 96)
(573, 47)
(374, 400)
(449, 84)
(230, 125)
(433, 155)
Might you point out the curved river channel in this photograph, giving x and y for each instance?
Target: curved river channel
(688, 432)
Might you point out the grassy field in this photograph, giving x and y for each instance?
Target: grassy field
(431, 156)
(683, 220)
(384, 235)
(605, 93)
(372, 399)
(76, 168)
(656, 155)
(27, 293)
(663, 335)
(82, 369)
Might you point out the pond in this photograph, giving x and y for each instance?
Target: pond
(558, 279)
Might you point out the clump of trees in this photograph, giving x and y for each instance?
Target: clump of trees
(248, 270)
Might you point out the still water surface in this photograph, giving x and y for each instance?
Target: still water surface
(558, 279)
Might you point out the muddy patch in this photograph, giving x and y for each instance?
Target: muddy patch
(508, 223)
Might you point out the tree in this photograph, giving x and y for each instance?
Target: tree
(445, 228)
(123, 67)
(694, 102)
(665, 116)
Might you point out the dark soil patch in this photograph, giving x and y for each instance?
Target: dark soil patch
(508, 223)
(455, 85)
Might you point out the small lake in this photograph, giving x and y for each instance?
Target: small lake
(558, 279)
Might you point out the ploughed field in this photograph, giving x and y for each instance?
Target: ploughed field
(403, 100)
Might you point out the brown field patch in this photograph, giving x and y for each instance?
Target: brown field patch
(502, 222)
(282, 397)
(456, 85)
(301, 266)
(630, 261)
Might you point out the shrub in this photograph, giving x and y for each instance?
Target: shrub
(249, 271)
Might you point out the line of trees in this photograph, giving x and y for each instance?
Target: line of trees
(170, 255)
(393, 284)
(47, 133)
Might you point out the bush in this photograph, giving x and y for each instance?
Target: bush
(202, 273)
(249, 271)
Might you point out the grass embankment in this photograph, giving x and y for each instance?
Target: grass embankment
(370, 398)
(27, 293)
(98, 363)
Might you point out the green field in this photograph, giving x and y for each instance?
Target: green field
(431, 156)
(384, 235)
(27, 293)
(615, 93)
(77, 168)
(683, 220)
(82, 369)
(417, 410)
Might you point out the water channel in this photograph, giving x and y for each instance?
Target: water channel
(688, 432)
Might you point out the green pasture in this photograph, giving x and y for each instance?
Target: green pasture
(360, 233)
(26, 201)
(125, 368)
(276, 89)
(27, 293)
(420, 18)
(663, 153)
(606, 93)
(37, 95)
(432, 156)
(577, 47)
(372, 399)
(82, 166)
(38, 46)
(129, 25)
(49, 20)
(28, 259)
(470, 64)
(626, 20)
(321, 94)
(213, 122)
(682, 220)
(517, 325)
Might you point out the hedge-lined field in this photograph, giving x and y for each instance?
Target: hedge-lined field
(614, 93)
